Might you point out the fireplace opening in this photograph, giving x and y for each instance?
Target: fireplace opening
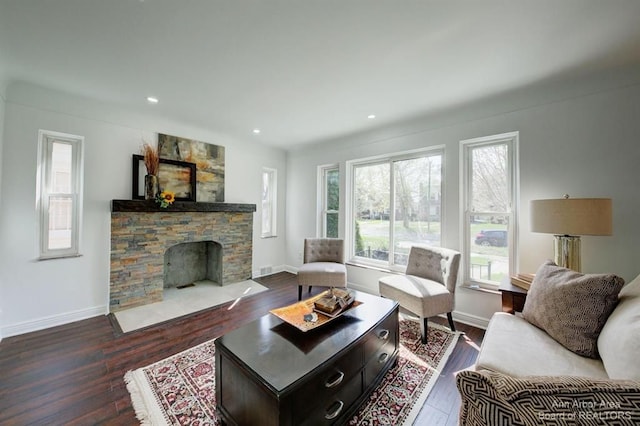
(189, 262)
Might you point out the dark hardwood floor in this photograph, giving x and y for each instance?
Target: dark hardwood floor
(73, 374)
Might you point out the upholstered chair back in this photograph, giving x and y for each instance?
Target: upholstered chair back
(323, 250)
(436, 264)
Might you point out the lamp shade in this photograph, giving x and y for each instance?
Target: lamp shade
(572, 216)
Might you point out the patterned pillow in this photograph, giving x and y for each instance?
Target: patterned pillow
(571, 307)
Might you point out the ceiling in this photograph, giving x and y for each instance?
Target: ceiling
(304, 71)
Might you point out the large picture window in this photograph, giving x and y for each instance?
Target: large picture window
(490, 190)
(59, 191)
(395, 203)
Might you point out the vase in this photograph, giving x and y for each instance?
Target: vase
(151, 187)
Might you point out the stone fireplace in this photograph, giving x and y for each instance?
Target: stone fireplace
(153, 248)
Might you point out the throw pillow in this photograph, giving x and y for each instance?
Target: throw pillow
(618, 343)
(571, 307)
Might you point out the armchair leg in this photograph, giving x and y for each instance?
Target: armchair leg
(423, 329)
(451, 325)
(299, 292)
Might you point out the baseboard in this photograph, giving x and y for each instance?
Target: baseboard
(52, 321)
(362, 288)
(469, 319)
(290, 269)
(270, 270)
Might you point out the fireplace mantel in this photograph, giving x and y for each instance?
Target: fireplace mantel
(143, 206)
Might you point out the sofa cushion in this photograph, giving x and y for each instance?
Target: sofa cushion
(513, 346)
(571, 307)
(619, 341)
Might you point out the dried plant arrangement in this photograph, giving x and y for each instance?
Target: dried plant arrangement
(151, 159)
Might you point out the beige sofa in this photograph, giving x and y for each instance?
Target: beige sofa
(523, 376)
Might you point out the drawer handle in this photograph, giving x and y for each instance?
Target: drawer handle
(336, 412)
(336, 381)
(383, 358)
(383, 335)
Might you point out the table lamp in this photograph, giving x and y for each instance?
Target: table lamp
(569, 218)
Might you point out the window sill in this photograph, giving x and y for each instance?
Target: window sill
(62, 256)
(481, 289)
(374, 268)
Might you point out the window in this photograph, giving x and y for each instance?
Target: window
(396, 202)
(330, 201)
(269, 197)
(490, 193)
(59, 190)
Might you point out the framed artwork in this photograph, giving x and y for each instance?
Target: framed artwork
(176, 176)
(209, 161)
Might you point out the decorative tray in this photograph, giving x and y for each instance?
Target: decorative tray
(295, 314)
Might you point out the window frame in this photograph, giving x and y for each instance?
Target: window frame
(350, 207)
(44, 191)
(322, 201)
(511, 140)
(272, 203)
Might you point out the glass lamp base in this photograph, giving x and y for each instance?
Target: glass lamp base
(567, 251)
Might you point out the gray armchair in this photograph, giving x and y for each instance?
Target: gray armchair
(323, 264)
(428, 286)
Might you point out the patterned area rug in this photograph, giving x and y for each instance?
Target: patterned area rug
(180, 390)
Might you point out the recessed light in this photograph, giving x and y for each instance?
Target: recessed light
(152, 100)
(256, 131)
(371, 116)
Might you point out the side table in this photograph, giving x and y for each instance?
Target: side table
(513, 297)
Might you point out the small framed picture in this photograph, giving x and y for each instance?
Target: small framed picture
(176, 176)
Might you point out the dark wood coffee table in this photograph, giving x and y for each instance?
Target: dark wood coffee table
(270, 373)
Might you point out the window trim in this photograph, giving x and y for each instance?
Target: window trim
(511, 139)
(46, 139)
(350, 207)
(273, 203)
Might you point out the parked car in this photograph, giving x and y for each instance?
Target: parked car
(492, 237)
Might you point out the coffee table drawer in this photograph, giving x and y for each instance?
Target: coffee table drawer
(333, 408)
(327, 382)
(378, 362)
(385, 333)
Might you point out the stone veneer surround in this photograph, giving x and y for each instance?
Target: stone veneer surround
(141, 232)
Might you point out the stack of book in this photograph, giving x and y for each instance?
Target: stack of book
(335, 302)
(522, 280)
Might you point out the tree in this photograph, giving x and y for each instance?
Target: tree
(489, 181)
(359, 241)
(372, 189)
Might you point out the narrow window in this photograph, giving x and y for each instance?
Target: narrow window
(269, 197)
(59, 190)
(330, 201)
(490, 191)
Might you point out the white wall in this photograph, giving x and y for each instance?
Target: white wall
(39, 294)
(586, 146)
(2, 107)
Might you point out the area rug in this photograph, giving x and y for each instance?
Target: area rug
(180, 390)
